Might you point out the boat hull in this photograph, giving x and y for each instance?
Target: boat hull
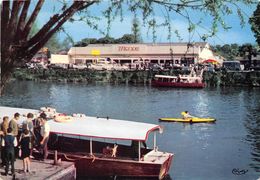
(178, 84)
(115, 167)
(154, 164)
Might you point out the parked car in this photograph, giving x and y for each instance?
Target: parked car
(58, 66)
(231, 65)
(156, 67)
(79, 66)
(176, 66)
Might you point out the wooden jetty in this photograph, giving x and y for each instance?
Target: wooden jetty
(42, 170)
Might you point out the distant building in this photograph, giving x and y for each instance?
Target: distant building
(161, 53)
(59, 59)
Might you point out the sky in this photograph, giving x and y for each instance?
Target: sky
(79, 30)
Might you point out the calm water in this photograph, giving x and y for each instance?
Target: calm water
(202, 151)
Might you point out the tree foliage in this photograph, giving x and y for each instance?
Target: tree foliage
(255, 23)
(125, 39)
(228, 51)
(17, 47)
(53, 44)
(231, 51)
(136, 30)
(247, 51)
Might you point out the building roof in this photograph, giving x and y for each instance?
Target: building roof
(138, 49)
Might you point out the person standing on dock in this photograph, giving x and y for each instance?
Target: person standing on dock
(45, 132)
(28, 125)
(25, 147)
(14, 126)
(4, 127)
(9, 142)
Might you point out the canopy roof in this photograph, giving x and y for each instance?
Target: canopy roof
(93, 126)
(104, 128)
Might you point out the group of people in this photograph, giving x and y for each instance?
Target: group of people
(20, 140)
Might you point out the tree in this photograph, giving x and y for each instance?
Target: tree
(255, 23)
(18, 48)
(228, 51)
(136, 30)
(53, 44)
(89, 40)
(106, 40)
(66, 44)
(247, 51)
(126, 38)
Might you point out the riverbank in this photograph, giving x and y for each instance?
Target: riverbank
(214, 79)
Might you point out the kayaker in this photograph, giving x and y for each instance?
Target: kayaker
(186, 115)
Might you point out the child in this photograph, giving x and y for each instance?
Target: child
(25, 147)
(9, 142)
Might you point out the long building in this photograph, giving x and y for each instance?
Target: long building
(161, 53)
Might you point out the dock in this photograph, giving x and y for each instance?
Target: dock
(42, 170)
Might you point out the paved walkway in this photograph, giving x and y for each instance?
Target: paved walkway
(39, 170)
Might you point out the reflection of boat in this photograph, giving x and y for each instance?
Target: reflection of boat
(82, 141)
(178, 81)
(189, 120)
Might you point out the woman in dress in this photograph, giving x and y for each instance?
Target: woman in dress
(25, 147)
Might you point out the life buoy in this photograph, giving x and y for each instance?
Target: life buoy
(63, 118)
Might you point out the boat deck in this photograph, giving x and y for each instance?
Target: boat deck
(156, 157)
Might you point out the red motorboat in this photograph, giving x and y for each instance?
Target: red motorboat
(178, 81)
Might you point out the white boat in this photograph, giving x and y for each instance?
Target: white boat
(82, 141)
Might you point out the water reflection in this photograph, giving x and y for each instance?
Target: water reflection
(252, 124)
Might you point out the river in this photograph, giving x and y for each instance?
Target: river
(228, 149)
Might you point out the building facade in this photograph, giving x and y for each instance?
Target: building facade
(161, 53)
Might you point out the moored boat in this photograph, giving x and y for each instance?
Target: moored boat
(89, 142)
(178, 81)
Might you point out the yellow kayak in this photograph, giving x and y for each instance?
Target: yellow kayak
(189, 120)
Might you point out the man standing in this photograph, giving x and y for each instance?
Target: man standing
(14, 126)
(45, 132)
(9, 142)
